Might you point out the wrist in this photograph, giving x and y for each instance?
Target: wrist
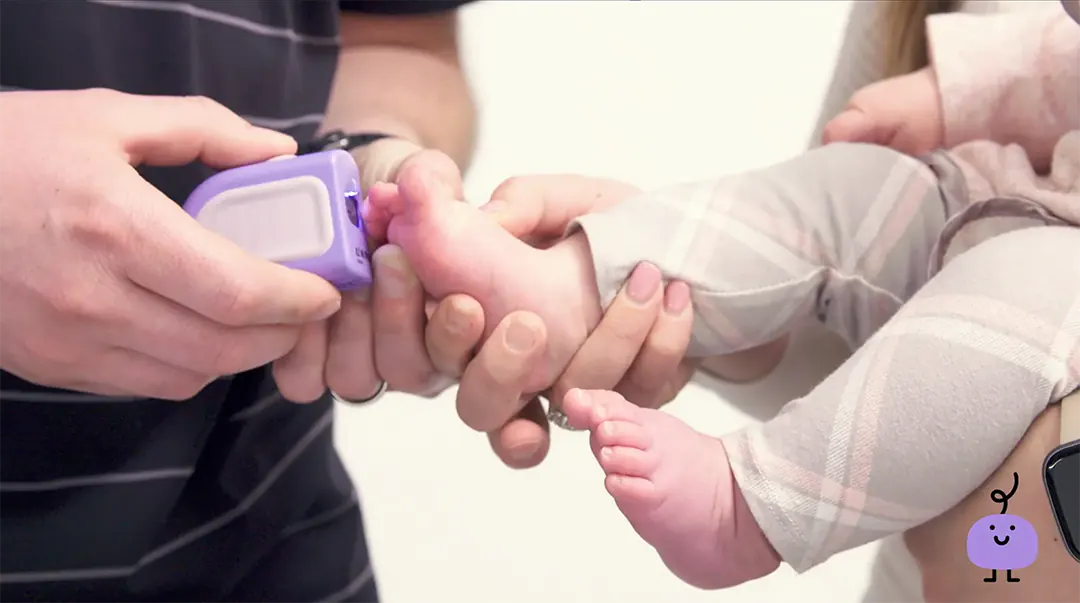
(386, 125)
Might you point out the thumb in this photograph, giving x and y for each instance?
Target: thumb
(542, 207)
(177, 258)
(175, 130)
(437, 169)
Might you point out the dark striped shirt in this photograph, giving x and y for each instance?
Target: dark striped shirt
(233, 495)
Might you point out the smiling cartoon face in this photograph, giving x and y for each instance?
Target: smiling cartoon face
(1002, 542)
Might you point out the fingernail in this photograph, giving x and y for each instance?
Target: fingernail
(644, 282)
(457, 319)
(329, 309)
(520, 337)
(524, 452)
(492, 207)
(677, 297)
(394, 277)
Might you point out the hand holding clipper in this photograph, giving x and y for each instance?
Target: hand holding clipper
(302, 212)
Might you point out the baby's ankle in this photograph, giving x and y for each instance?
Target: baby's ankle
(758, 557)
(572, 261)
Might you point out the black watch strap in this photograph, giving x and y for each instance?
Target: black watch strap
(338, 139)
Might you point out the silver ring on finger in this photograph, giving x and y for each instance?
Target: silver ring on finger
(383, 386)
(559, 419)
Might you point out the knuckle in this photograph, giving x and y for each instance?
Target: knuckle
(231, 357)
(206, 104)
(236, 303)
(503, 378)
(666, 345)
(82, 303)
(235, 350)
(102, 107)
(626, 333)
(103, 96)
(212, 110)
(94, 224)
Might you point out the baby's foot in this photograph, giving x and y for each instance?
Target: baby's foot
(676, 488)
(456, 248)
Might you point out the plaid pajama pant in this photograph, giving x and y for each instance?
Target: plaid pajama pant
(950, 366)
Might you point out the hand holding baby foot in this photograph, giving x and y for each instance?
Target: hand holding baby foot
(676, 488)
(456, 249)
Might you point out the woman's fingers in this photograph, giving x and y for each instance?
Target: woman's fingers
(398, 322)
(300, 373)
(610, 350)
(524, 441)
(491, 388)
(659, 373)
(453, 332)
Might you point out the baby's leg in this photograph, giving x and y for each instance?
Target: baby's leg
(911, 424)
(676, 488)
(842, 234)
(927, 408)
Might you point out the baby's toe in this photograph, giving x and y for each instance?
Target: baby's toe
(629, 462)
(588, 409)
(621, 433)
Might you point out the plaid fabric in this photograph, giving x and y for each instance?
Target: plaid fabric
(951, 366)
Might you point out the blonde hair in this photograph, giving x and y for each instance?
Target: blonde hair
(904, 38)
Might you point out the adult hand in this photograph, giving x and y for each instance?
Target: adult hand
(903, 113)
(637, 349)
(107, 286)
(385, 333)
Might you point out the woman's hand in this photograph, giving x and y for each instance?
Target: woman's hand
(637, 350)
(385, 335)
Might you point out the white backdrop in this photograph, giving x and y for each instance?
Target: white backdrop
(650, 93)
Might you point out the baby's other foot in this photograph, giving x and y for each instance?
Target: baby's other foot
(676, 488)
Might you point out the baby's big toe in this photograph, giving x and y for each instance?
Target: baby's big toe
(588, 409)
(428, 177)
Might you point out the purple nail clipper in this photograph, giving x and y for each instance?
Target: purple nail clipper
(302, 212)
